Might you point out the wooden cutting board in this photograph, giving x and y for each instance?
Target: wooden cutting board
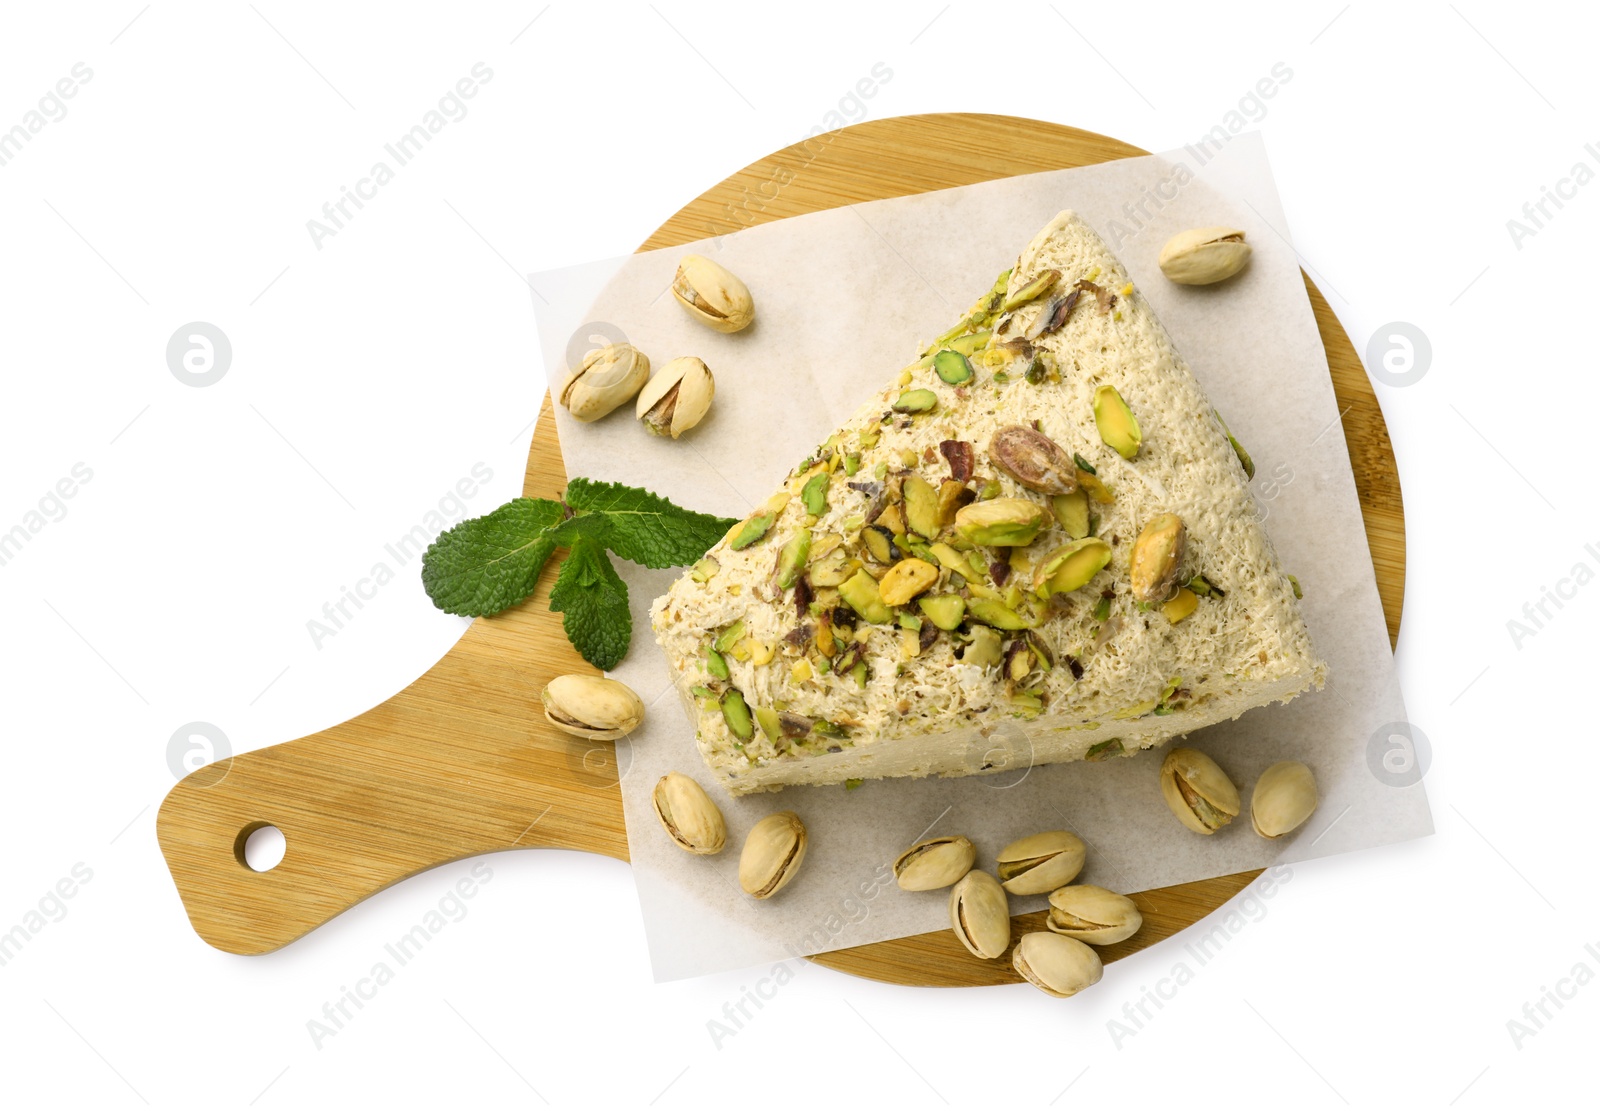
(462, 762)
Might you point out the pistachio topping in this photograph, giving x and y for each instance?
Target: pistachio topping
(1119, 428)
(1001, 522)
(905, 580)
(1036, 287)
(952, 367)
(1245, 461)
(1071, 566)
(916, 401)
(1157, 557)
(1034, 460)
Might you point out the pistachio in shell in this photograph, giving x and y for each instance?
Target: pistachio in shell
(1041, 863)
(1284, 797)
(1055, 964)
(980, 915)
(607, 377)
(773, 851)
(934, 863)
(1197, 791)
(713, 294)
(688, 815)
(676, 398)
(591, 707)
(1093, 915)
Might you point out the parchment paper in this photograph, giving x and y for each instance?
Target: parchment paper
(844, 299)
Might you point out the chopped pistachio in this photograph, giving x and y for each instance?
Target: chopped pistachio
(1245, 461)
(916, 401)
(1040, 285)
(879, 543)
(793, 558)
(704, 570)
(996, 614)
(1091, 485)
(767, 718)
(967, 344)
(1294, 582)
(737, 715)
(754, 529)
(921, 506)
(716, 666)
(984, 651)
(944, 610)
(1205, 587)
(1072, 511)
(1001, 522)
(952, 367)
(730, 636)
(1104, 750)
(852, 464)
(1072, 566)
(815, 494)
(1181, 605)
(905, 580)
(1119, 428)
(860, 592)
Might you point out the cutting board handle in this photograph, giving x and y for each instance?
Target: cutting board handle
(459, 763)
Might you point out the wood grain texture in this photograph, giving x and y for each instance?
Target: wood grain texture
(462, 762)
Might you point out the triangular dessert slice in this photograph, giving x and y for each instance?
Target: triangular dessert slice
(1037, 545)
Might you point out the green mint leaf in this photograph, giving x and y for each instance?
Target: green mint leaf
(588, 526)
(644, 527)
(488, 563)
(593, 603)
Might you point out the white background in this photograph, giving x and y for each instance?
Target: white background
(369, 375)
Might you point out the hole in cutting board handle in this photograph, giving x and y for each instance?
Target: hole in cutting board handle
(260, 846)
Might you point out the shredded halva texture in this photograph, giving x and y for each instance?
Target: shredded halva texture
(790, 684)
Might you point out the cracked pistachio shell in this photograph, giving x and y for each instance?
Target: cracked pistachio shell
(1197, 791)
(676, 398)
(713, 294)
(934, 863)
(605, 378)
(1201, 256)
(980, 915)
(1055, 964)
(773, 850)
(1284, 797)
(1093, 914)
(688, 814)
(591, 707)
(1157, 557)
(1034, 460)
(1041, 863)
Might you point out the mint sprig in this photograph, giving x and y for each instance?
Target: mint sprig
(490, 563)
